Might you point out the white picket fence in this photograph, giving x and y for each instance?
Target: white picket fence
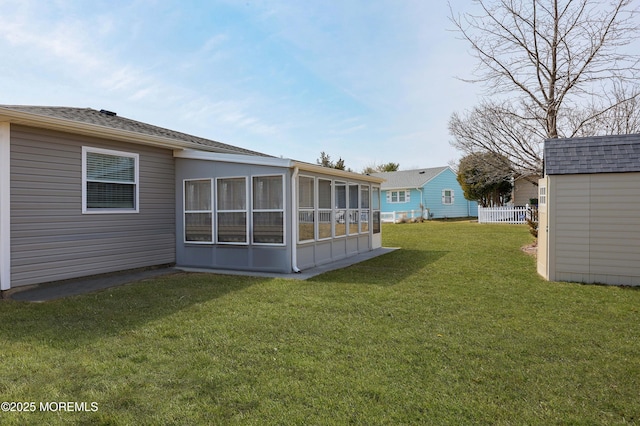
(395, 217)
(506, 214)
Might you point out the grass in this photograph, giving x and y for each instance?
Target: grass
(455, 328)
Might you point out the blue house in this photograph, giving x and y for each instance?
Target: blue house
(434, 193)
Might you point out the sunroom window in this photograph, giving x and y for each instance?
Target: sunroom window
(364, 208)
(268, 210)
(375, 208)
(198, 211)
(340, 209)
(325, 210)
(306, 208)
(110, 181)
(232, 210)
(353, 209)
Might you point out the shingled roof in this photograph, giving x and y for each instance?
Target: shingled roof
(408, 178)
(597, 154)
(111, 120)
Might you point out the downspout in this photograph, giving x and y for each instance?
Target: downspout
(294, 224)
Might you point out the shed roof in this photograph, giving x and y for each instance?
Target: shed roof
(408, 178)
(36, 115)
(596, 154)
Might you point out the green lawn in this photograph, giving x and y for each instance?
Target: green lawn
(455, 328)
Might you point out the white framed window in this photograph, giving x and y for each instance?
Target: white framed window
(375, 208)
(340, 222)
(110, 181)
(268, 209)
(325, 209)
(354, 204)
(402, 196)
(447, 196)
(364, 208)
(231, 214)
(198, 211)
(306, 209)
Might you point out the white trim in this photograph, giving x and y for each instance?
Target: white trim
(135, 156)
(233, 158)
(5, 206)
(274, 162)
(294, 220)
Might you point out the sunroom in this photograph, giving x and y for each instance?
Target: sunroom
(267, 214)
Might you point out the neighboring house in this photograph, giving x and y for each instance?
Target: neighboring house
(525, 188)
(434, 191)
(589, 210)
(85, 192)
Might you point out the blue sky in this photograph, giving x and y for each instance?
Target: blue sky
(370, 81)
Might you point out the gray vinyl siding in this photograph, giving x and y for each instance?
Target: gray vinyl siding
(249, 257)
(50, 237)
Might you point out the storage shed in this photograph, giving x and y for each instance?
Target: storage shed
(589, 210)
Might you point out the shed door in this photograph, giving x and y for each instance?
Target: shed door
(543, 229)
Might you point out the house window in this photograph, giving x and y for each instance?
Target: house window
(364, 209)
(375, 209)
(325, 210)
(403, 196)
(268, 210)
(232, 210)
(447, 196)
(109, 181)
(306, 208)
(198, 211)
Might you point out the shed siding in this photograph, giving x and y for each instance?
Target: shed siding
(597, 228)
(570, 224)
(50, 237)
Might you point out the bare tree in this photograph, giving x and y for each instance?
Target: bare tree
(560, 63)
(618, 114)
(497, 128)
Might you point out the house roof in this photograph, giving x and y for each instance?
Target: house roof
(408, 178)
(94, 122)
(106, 124)
(597, 154)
